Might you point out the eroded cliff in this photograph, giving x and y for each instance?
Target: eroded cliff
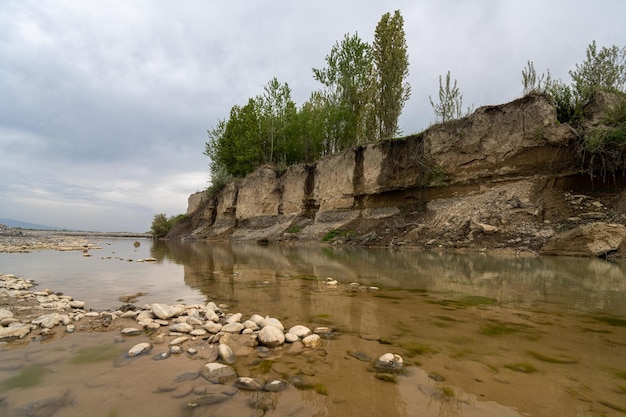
(507, 176)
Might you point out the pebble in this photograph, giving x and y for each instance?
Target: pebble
(312, 341)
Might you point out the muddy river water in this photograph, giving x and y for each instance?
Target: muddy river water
(480, 335)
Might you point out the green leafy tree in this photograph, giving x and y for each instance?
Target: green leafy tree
(347, 98)
(277, 114)
(450, 105)
(391, 62)
(604, 69)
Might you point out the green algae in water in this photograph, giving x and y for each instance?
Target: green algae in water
(498, 329)
(612, 321)
(565, 360)
(387, 377)
(522, 367)
(621, 374)
(321, 389)
(28, 377)
(95, 354)
(417, 349)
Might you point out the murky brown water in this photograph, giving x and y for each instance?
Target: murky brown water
(500, 336)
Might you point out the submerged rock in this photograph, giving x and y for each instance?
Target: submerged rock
(218, 373)
(389, 362)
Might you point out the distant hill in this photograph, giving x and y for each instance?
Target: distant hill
(25, 225)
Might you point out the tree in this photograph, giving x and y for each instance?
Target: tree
(347, 98)
(604, 69)
(277, 113)
(450, 104)
(391, 62)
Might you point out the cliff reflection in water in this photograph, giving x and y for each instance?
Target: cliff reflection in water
(219, 269)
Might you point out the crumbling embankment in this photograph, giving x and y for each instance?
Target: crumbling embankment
(507, 176)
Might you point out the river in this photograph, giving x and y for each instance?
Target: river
(480, 335)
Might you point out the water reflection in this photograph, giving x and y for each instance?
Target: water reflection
(576, 283)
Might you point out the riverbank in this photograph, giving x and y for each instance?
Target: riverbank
(14, 240)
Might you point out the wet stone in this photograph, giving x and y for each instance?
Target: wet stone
(249, 384)
(226, 354)
(359, 355)
(139, 349)
(389, 362)
(207, 400)
(218, 373)
(131, 331)
(276, 385)
(161, 356)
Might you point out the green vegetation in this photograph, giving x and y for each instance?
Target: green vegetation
(414, 348)
(522, 367)
(161, 225)
(28, 377)
(612, 321)
(552, 359)
(336, 233)
(450, 106)
(363, 93)
(498, 329)
(94, 354)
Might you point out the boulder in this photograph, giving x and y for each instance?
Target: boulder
(14, 330)
(271, 336)
(594, 239)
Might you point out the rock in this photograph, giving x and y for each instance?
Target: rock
(226, 354)
(389, 362)
(271, 321)
(48, 321)
(181, 328)
(161, 356)
(249, 384)
(77, 304)
(5, 314)
(250, 324)
(164, 311)
(594, 239)
(14, 330)
(235, 318)
(139, 349)
(208, 399)
(276, 385)
(131, 331)
(175, 350)
(232, 327)
(312, 341)
(271, 336)
(179, 340)
(218, 373)
(300, 331)
(257, 319)
(290, 338)
(213, 327)
(198, 332)
(70, 328)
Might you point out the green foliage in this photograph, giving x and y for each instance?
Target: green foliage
(347, 97)
(363, 94)
(604, 69)
(450, 106)
(533, 84)
(391, 61)
(161, 225)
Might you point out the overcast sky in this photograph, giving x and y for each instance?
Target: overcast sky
(104, 105)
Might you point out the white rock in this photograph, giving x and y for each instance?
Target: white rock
(70, 328)
(153, 325)
(5, 314)
(257, 319)
(249, 324)
(226, 354)
(271, 321)
(235, 318)
(198, 332)
(130, 331)
(271, 336)
(48, 321)
(218, 373)
(232, 328)
(129, 314)
(211, 315)
(18, 330)
(92, 314)
(212, 327)
(312, 341)
(139, 349)
(164, 311)
(179, 340)
(390, 362)
(300, 331)
(77, 304)
(291, 338)
(181, 328)
(176, 349)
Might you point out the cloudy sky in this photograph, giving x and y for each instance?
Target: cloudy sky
(104, 105)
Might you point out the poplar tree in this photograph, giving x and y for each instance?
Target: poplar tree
(391, 61)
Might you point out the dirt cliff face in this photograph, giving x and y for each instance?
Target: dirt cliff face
(507, 176)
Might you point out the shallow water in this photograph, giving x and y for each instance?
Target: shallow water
(546, 336)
